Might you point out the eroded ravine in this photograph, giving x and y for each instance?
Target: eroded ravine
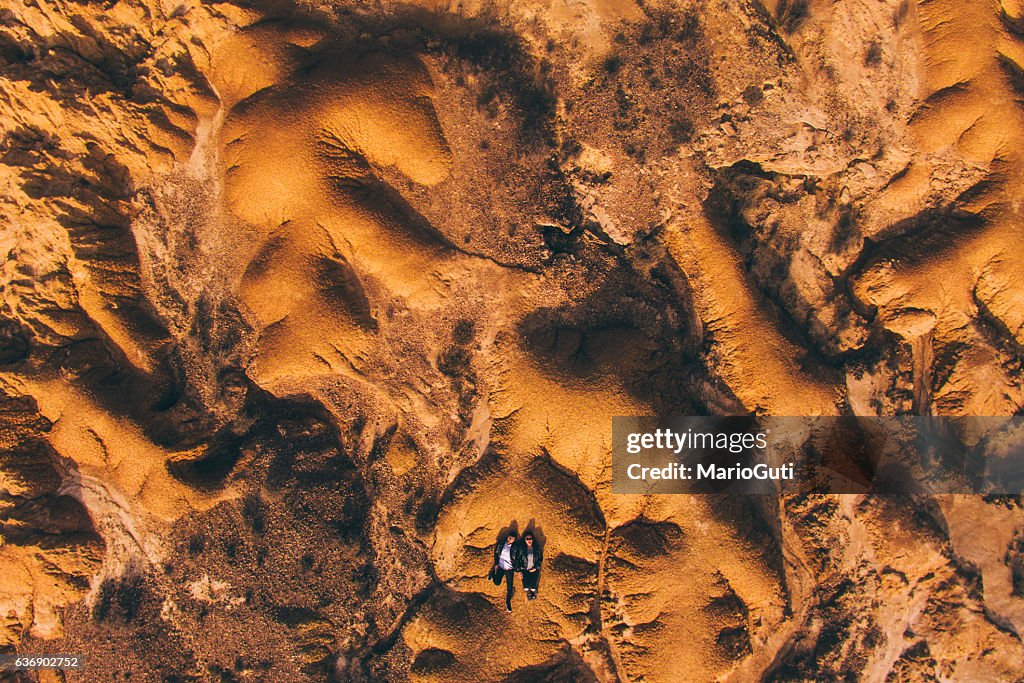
(312, 303)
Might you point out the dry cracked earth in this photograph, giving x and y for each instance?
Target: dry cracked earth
(302, 302)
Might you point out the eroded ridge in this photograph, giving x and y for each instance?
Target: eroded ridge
(304, 304)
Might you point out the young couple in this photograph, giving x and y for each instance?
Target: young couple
(513, 557)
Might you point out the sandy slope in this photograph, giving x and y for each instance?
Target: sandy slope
(304, 303)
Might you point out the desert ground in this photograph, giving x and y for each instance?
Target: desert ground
(303, 303)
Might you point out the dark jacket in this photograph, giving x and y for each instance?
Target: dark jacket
(518, 554)
(538, 555)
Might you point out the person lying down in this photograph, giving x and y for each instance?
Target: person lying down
(514, 557)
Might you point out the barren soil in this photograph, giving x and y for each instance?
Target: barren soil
(303, 303)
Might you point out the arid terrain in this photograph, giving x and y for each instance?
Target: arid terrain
(302, 303)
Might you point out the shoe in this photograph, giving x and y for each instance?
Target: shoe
(508, 606)
(530, 595)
